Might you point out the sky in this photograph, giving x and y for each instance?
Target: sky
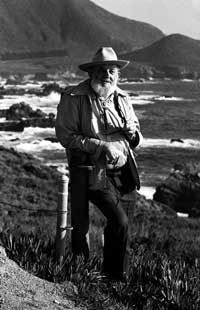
(170, 16)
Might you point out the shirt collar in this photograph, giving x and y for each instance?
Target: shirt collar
(84, 89)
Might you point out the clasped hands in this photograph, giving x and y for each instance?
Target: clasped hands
(111, 152)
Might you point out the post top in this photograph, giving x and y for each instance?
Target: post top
(65, 178)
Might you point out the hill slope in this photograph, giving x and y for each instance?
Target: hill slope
(73, 27)
(31, 189)
(173, 49)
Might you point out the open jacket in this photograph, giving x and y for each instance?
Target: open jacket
(74, 126)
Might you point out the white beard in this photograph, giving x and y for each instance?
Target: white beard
(103, 91)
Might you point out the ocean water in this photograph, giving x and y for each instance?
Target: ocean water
(169, 115)
(170, 122)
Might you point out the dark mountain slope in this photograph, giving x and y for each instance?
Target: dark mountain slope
(74, 26)
(174, 56)
(174, 49)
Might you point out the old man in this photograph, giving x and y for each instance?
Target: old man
(97, 126)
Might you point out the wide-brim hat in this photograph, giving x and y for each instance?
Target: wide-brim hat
(104, 56)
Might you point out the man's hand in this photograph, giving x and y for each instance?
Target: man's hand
(129, 129)
(111, 152)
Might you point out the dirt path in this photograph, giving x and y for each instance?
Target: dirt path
(20, 290)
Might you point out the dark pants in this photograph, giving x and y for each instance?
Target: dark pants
(115, 206)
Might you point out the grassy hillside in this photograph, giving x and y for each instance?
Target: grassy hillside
(173, 49)
(168, 53)
(29, 192)
(165, 262)
(74, 28)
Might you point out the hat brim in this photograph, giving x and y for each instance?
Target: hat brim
(120, 63)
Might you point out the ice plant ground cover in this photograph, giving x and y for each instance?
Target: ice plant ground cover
(164, 269)
(165, 263)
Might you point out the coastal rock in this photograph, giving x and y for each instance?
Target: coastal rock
(176, 140)
(39, 122)
(52, 139)
(3, 111)
(12, 126)
(22, 110)
(32, 122)
(181, 191)
(51, 87)
(21, 115)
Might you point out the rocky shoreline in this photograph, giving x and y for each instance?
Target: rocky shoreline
(181, 190)
(21, 115)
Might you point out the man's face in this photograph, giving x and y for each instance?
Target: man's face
(105, 75)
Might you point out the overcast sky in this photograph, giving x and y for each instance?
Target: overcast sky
(170, 16)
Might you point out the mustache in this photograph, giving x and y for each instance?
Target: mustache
(103, 91)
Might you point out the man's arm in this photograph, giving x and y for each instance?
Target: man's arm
(131, 130)
(68, 127)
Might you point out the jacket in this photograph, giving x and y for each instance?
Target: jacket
(74, 130)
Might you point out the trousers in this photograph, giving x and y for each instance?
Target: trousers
(115, 206)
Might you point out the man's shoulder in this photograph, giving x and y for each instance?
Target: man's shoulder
(82, 88)
(121, 92)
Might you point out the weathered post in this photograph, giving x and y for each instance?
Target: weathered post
(62, 211)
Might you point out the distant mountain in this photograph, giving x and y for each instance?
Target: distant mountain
(172, 53)
(74, 28)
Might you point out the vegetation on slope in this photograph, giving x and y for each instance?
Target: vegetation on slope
(174, 49)
(172, 53)
(74, 26)
(28, 191)
(165, 266)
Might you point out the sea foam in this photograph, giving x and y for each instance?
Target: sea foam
(38, 146)
(47, 104)
(185, 143)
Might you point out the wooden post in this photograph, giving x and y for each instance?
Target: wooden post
(62, 211)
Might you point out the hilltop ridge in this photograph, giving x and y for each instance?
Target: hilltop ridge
(52, 36)
(174, 55)
(71, 27)
(172, 49)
